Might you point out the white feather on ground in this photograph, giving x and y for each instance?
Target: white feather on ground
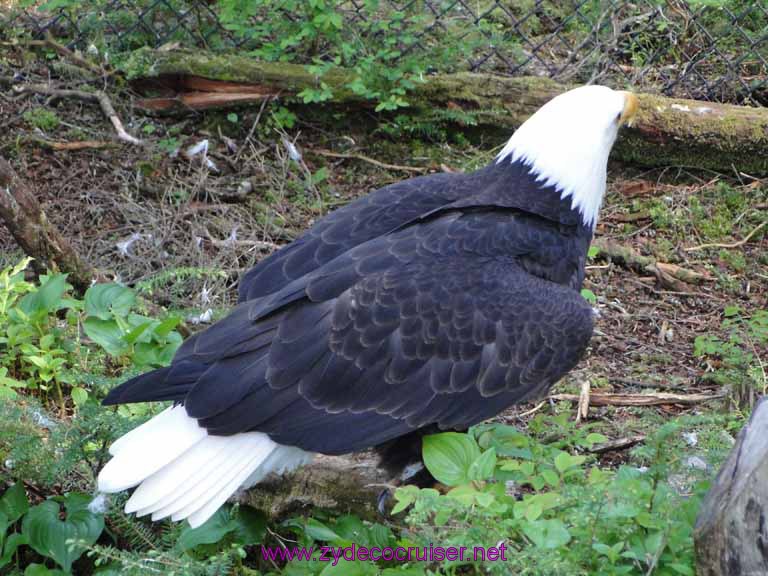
(184, 473)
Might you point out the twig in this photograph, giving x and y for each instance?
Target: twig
(67, 53)
(734, 244)
(582, 410)
(598, 399)
(98, 96)
(69, 146)
(330, 154)
(533, 410)
(618, 444)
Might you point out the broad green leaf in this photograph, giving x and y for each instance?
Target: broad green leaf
(48, 533)
(449, 456)
(107, 334)
(564, 461)
(47, 297)
(14, 503)
(79, 396)
(11, 545)
(484, 466)
(250, 525)
(319, 531)
(107, 300)
(548, 534)
(211, 531)
(42, 570)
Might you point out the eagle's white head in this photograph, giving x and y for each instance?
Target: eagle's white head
(567, 141)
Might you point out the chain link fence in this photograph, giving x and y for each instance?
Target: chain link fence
(704, 49)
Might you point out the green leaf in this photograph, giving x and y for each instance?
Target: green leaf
(350, 568)
(79, 396)
(42, 570)
(484, 466)
(319, 531)
(588, 295)
(48, 534)
(211, 531)
(405, 496)
(449, 456)
(547, 534)
(107, 334)
(47, 297)
(107, 300)
(564, 461)
(14, 503)
(250, 525)
(11, 545)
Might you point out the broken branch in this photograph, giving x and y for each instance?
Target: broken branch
(98, 96)
(658, 398)
(669, 275)
(37, 236)
(732, 245)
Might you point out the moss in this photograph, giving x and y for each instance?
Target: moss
(42, 118)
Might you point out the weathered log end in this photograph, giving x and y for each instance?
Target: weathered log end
(731, 534)
(343, 484)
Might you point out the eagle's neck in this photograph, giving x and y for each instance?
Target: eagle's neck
(572, 162)
(516, 184)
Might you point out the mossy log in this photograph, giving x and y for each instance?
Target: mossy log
(731, 534)
(668, 131)
(343, 484)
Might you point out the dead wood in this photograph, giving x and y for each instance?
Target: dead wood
(731, 533)
(655, 399)
(667, 132)
(98, 96)
(670, 276)
(37, 236)
(618, 444)
(344, 484)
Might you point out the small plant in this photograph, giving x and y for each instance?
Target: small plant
(58, 528)
(42, 118)
(737, 360)
(554, 510)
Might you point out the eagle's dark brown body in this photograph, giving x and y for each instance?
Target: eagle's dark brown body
(437, 301)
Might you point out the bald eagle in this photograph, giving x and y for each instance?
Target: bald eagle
(431, 304)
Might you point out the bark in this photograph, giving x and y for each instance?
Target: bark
(667, 132)
(37, 236)
(731, 534)
(343, 484)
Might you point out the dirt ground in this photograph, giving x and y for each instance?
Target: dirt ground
(181, 227)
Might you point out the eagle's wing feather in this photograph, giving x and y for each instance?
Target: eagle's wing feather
(368, 217)
(437, 323)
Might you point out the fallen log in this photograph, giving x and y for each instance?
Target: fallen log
(731, 532)
(35, 234)
(343, 484)
(668, 131)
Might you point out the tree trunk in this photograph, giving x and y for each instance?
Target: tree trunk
(667, 132)
(731, 534)
(37, 236)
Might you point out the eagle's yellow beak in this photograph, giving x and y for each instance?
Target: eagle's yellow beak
(631, 104)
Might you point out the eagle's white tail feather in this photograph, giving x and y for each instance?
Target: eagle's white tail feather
(183, 472)
(206, 482)
(147, 452)
(200, 511)
(170, 482)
